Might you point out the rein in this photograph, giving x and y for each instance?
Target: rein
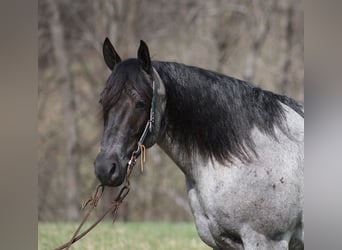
(123, 192)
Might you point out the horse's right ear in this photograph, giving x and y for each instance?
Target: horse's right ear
(109, 54)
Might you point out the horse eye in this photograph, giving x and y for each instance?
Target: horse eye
(140, 105)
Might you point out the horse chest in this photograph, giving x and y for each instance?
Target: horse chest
(229, 199)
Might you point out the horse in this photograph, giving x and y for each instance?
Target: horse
(240, 147)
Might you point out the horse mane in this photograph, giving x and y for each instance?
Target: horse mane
(206, 112)
(214, 114)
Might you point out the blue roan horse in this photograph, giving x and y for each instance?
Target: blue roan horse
(239, 147)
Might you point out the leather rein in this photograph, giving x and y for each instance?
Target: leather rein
(124, 190)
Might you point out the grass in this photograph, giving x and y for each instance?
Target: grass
(123, 236)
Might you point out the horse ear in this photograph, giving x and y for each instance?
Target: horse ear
(144, 57)
(109, 54)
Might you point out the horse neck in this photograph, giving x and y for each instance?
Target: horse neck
(192, 165)
(171, 147)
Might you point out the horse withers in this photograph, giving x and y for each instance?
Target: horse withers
(239, 147)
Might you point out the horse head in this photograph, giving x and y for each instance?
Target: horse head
(129, 100)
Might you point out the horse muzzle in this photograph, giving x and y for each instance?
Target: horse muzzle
(108, 170)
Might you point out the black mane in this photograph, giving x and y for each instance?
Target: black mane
(206, 112)
(214, 114)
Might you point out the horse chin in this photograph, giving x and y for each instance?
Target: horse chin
(117, 183)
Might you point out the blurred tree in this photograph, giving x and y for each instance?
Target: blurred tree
(260, 26)
(70, 126)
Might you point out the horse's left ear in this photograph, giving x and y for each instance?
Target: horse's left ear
(144, 57)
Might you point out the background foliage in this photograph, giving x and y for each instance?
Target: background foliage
(257, 40)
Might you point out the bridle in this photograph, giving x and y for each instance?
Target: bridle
(123, 192)
(148, 129)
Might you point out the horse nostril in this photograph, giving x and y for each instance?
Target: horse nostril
(112, 170)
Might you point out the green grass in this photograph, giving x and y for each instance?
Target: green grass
(123, 236)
